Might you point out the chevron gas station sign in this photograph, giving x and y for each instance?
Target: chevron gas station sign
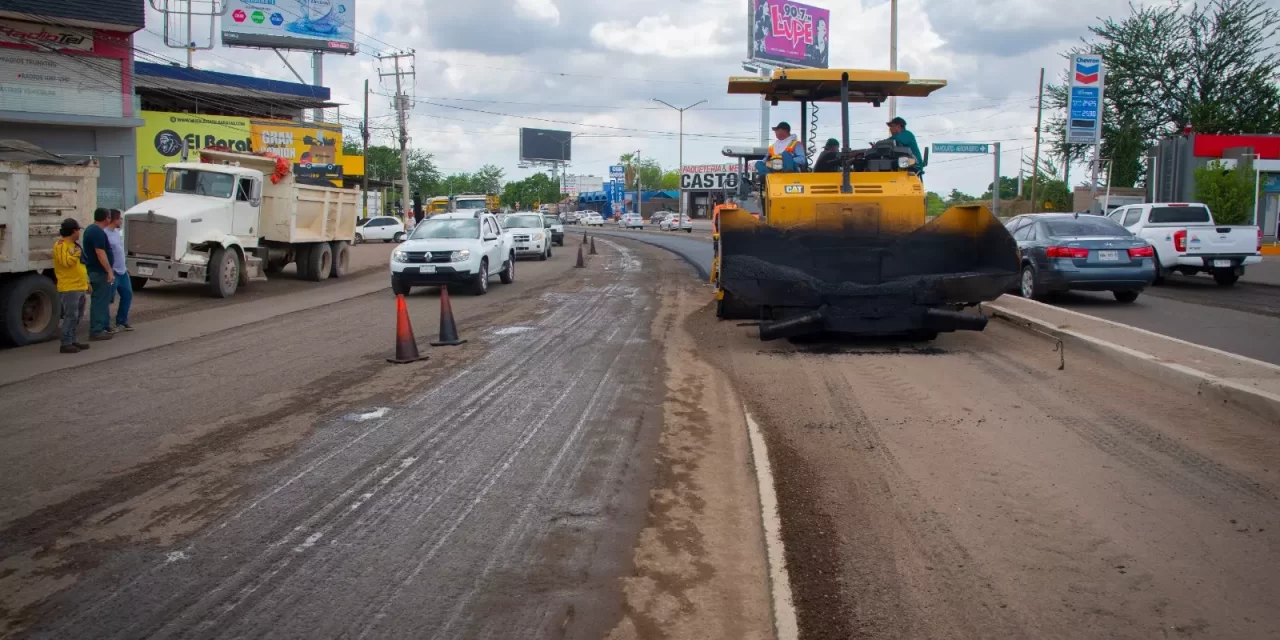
(1087, 77)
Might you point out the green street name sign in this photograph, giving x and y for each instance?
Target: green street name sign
(961, 147)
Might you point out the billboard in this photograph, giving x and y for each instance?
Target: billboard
(314, 149)
(162, 134)
(314, 25)
(788, 34)
(1088, 75)
(546, 145)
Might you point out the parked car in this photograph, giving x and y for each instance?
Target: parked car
(593, 219)
(677, 222)
(1188, 241)
(384, 228)
(530, 234)
(657, 218)
(555, 226)
(454, 248)
(1067, 251)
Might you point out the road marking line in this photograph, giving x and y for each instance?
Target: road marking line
(785, 626)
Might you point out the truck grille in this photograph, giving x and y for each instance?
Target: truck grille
(523, 238)
(150, 234)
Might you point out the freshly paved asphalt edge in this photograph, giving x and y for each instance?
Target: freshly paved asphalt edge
(696, 252)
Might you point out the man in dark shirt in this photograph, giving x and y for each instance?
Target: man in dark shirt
(102, 277)
(829, 159)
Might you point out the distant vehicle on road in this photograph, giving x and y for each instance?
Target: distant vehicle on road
(454, 248)
(631, 221)
(1064, 251)
(677, 222)
(1188, 241)
(556, 227)
(571, 217)
(530, 234)
(593, 219)
(384, 228)
(657, 218)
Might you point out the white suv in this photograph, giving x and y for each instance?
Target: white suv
(464, 248)
(530, 234)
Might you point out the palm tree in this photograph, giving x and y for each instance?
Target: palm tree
(628, 160)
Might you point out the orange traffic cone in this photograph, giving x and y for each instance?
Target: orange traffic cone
(448, 328)
(593, 247)
(582, 263)
(406, 344)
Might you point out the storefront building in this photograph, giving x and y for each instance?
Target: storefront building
(1172, 163)
(703, 186)
(66, 84)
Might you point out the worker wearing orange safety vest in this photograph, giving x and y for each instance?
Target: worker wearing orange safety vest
(787, 149)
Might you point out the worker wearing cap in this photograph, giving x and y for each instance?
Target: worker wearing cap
(829, 159)
(899, 134)
(787, 148)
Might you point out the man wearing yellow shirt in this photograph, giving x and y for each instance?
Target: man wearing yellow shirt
(73, 283)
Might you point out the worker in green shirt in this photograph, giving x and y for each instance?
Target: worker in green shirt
(898, 133)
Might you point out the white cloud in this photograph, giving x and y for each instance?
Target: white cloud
(659, 36)
(544, 10)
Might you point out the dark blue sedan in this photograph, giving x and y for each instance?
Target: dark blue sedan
(1067, 251)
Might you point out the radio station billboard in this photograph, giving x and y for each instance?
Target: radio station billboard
(312, 25)
(788, 34)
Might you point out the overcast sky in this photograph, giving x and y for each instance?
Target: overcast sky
(485, 68)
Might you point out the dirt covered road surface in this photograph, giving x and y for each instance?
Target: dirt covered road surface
(969, 488)
(564, 474)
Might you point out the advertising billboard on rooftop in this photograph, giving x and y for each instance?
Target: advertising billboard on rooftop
(788, 34)
(313, 25)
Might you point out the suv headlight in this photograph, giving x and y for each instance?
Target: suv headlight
(460, 256)
(399, 256)
(776, 164)
(905, 162)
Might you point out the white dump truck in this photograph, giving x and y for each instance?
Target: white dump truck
(36, 194)
(223, 222)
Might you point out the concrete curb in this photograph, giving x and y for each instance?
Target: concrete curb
(1257, 401)
(785, 624)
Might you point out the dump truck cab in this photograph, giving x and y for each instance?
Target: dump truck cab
(850, 250)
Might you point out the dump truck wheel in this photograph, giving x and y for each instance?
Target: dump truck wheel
(319, 261)
(29, 310)
(341, 259)
(224, 273)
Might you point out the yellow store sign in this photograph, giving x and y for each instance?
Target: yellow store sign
(162, 136)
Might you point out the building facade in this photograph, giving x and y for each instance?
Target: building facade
(1172, 163)
(66, 84)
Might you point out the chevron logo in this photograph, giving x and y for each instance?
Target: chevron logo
(1087, 72)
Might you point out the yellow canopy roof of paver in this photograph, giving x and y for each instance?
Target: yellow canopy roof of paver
(823, 85)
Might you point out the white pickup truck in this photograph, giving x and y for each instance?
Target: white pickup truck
(1188, 241)
(464, 248)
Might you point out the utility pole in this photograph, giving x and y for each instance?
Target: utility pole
(1035, 163)
(639, 191)
(893, 52)
(995, 185)
(680, 167)
(317, 79)
(402, 106)
(364, 136)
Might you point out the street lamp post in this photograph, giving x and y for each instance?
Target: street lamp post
(680, 168)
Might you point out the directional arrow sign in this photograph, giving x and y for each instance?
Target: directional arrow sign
(961, 147)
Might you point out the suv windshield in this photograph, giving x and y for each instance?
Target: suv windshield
(201, 183)
(527, 221)
(551, 219)
(1085, 226)
(447, 228)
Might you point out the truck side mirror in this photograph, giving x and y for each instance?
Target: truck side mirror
(255, 194)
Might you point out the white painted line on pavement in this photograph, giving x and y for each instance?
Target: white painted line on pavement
(785, 626)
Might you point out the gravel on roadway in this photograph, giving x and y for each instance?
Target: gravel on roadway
(967, 488)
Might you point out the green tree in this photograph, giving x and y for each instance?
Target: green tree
(959, 197)
(1212, 66)
(488, 179)
(1229, 193)
(352, 147)
(934, 205)
(1008, 189)
(538, 187)
(670, 180)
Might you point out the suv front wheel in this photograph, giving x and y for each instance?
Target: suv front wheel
(480, 282)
